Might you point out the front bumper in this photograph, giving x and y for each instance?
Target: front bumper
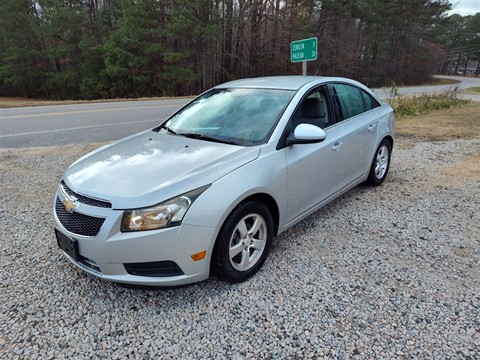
(130, 257)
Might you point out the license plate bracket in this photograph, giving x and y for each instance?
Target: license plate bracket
(69, 245)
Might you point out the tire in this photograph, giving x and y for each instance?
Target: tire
(243, 242)
(380, 164)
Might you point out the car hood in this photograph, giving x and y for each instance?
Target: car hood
(151, 167)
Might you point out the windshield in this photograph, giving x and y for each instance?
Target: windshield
(236, 116)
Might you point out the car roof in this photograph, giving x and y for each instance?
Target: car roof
(292, 82)
(287, 82)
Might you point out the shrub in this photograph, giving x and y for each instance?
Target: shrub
(411, 105)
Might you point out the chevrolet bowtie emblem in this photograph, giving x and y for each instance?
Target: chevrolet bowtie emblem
(69, 205)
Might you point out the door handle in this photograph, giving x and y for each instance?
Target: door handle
(371, 127)
(337, 145)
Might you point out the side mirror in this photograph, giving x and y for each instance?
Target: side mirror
(306, 134)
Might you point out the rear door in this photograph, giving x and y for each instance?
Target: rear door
(359, 113)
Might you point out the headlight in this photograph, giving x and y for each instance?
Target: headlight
(166, 214)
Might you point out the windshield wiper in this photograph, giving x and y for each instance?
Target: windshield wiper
(200, 136)
(168, 129)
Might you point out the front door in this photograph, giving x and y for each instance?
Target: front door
(315, 172)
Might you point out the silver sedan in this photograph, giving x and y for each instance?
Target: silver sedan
(209, 188)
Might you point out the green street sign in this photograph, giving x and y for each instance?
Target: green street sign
(303, 50)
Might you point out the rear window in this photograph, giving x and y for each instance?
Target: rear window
(354, 101)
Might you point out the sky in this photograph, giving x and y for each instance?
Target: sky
(465, 7)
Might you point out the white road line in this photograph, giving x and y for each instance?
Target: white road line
(75, 128)
(85, 111)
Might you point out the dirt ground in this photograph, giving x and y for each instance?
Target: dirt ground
(443, 125)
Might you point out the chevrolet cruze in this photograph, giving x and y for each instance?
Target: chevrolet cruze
(208, 189)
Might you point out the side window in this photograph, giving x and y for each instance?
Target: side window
(313, 110)
(350, 99)
(369, 101)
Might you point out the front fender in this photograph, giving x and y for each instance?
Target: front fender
(264, 175)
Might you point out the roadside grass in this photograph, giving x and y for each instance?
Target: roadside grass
(433, 82)
(442, 81)
(442, 125)
(11, 102)
(408, 105)
(472, 90)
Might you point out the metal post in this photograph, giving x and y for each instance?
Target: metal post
(304, 68)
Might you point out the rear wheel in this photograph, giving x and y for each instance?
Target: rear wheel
(380, 164)
(243, 242)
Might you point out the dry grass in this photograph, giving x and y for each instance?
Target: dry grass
(472, 90)
(10, 102)
(443, 81)
(408, 105)
(460, 122)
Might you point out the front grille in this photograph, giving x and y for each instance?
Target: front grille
(84, 199)
(154, 269)
(77, 223)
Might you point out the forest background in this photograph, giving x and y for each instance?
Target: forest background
(89, 49)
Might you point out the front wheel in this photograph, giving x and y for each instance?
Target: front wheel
(380, 164)
(243, 242)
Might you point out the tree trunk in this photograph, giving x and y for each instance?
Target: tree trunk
(227, 42)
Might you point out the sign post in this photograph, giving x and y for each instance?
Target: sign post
(304, 50)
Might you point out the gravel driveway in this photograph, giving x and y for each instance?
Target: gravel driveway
(388, 272)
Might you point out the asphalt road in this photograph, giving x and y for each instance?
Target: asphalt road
(411, 90)
(81, 123)
(84, 123)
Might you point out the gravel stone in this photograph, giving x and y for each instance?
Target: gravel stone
(391, 272)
